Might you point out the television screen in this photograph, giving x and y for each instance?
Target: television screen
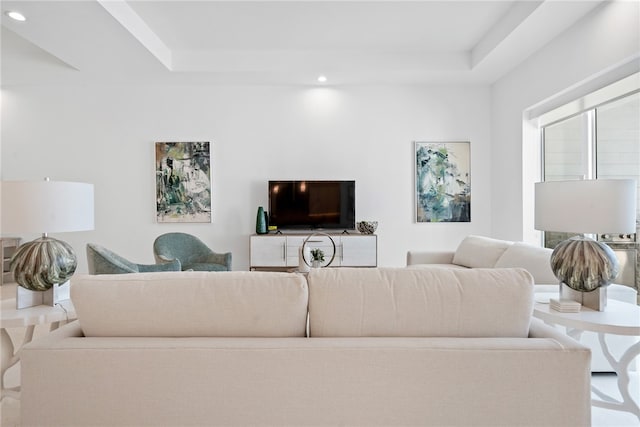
(312, 204)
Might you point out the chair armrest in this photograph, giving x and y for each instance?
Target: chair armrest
(161, 259)
(216, 258)
(173, 265)
(113, 266)
(430, 257)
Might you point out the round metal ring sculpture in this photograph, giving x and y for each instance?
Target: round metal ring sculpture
(319, 234)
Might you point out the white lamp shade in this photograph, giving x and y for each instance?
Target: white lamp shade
(46, 206)
(588, 206)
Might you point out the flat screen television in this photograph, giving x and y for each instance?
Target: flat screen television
(312, 204)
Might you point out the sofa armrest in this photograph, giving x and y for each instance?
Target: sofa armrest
(53, 339)
(539, 329)
(430, 257)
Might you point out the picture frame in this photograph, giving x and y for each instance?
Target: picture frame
(442, 181)
(183, 182)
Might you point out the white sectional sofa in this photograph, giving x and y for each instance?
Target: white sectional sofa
(358, 347)
(485, 252)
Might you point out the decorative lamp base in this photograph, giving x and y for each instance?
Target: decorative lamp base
(595, 300)
(584, 267)
(26, 298)
(584, 264)
(42, 263)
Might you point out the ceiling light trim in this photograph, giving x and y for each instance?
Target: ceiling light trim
(15, 15)
(131, 21)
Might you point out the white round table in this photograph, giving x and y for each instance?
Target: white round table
(619, 318)
(28, 318)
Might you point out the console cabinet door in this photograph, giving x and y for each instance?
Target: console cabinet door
(293, 244)
(282, 251)
(359, 251)
(268, 251)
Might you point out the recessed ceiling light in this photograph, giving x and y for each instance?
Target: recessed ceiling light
(322, 79)
(17, 16)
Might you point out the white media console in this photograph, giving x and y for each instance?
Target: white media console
(280, 251)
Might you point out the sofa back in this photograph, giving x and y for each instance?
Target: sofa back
(480, 251)
(435, 302)
(535, 259)
(341, 302)
(485, 252)
(193, 304)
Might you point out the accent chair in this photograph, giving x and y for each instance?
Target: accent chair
(103, 261)
(192, 253)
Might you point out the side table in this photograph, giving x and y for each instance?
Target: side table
(28, 318)
(619, 318)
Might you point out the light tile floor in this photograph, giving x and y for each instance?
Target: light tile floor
(605, 417)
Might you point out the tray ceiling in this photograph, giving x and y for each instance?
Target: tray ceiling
(277, 42)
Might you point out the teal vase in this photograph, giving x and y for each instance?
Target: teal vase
(261, 221)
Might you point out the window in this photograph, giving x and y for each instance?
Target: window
(618, 139)
(566, 149)
(598, 142)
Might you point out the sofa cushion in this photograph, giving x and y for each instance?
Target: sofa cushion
(192, 304)
(479, 251)
(421, 302)
(534, 259)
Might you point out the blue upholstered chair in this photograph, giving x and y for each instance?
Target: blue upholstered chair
(191, 251)
(104, 261)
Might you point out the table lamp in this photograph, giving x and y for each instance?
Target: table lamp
(584, 266)
(44, 264)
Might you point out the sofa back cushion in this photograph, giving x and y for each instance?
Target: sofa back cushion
(479, 251)
(435, 302)
(534, 259)
(191, 304)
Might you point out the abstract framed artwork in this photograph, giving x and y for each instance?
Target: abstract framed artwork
(443, 181)
(183, 182)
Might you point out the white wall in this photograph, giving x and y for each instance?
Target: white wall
(105, 135)
(599, 49)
